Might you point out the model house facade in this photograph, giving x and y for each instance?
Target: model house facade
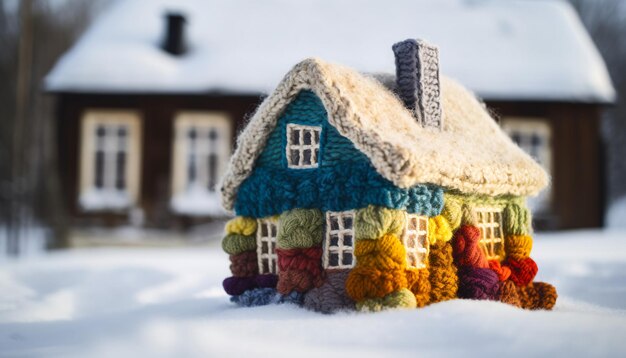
(350, 194)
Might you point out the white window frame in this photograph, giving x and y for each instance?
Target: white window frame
(298, 131)
(270, 226)
(526, 129)
(341, 233)
(489, 221)
(109, 197)
(198, 196)
(419, 236)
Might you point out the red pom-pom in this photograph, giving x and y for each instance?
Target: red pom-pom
(522, 271)
(300, 269)
(465, 248)
(300, 259)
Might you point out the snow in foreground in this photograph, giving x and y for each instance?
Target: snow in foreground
(169, 302)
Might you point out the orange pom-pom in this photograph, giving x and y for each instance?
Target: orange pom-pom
(508, 294)
(385, 253)
(503, 272)
(369, 282)
(418, 281)
(443, 274)
(537, 295)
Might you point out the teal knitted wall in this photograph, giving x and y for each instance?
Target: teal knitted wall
(344, 180)
(307, 109)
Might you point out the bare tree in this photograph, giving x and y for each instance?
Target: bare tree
(32, 40)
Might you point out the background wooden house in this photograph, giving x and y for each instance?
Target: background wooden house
(148, 104)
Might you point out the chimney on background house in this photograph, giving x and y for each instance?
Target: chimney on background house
(174, 41)
(417, 77)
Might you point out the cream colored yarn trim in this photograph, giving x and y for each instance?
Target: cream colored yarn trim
(271, 229)
(471, 154)
(416, 253)
(341, 232)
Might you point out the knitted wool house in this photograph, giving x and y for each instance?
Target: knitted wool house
(350, 193)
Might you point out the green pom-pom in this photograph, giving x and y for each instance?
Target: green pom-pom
(234, 244)
(516, 220)
(374, 222)
(300, 228)
(403, 298)
(452, 211)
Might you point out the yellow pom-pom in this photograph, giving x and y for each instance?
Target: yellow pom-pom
(518, 247)
(439, 230)
(241, 226)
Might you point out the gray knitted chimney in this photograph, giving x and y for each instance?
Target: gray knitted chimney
(417, 76)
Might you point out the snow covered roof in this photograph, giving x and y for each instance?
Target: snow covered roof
(518, 49)
(470, 154)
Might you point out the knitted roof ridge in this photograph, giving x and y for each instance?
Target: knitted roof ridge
(471, 154)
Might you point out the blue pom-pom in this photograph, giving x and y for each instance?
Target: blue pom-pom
(257, 297)
(293, 297)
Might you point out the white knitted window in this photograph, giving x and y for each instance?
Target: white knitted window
(489, 221)
(303, 146)
(415, 240)
(266, 246)
(339, 243)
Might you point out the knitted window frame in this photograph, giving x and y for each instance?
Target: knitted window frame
(415, 240)
(303, 146)
(339, 241)
(266, 246)
(489, 221)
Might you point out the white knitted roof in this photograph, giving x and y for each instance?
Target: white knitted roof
(471, 154)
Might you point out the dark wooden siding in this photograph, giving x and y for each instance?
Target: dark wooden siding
(577, 161)
(578, 179)
(157, 112)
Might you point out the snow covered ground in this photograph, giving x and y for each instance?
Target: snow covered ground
(163, 302)
(616, 215)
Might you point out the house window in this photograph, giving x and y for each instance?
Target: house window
(266, 246)
(533, 135)
(110, 160)
(303, 146)
(489, 221)
(202, 147)
(415, 240)
(339, 243)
